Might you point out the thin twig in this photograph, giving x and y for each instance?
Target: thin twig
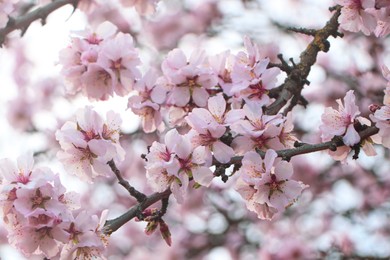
(24, 21)
(310, 148)
(133, 192)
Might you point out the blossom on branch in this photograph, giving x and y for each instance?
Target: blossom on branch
(100, 63)
(266, 185)
(190, 79)
(209, 125)
(251, 80)
(89, 143)
(174, 164)
(341, 122)
(148, 102)
(355, 15)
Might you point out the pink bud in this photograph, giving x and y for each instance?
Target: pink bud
(165, 233)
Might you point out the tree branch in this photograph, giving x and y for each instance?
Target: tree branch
(133, 192)
(24, 21)
(310, 148)
(114, 224)
(297, 77)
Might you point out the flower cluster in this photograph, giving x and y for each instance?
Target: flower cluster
(100, 63)
(89, 143)
(148, 101)
(38, 213)
(175, 163)
(342, 122)
(266, 184)
(187, 84)
(367, 16)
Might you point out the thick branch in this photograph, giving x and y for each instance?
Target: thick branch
(114, 224)
(297, 77)
(24, 21)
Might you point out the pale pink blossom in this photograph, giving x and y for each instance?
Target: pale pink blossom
(222, 65)
(341, 122)
(250, 76)
(247, 191)
(86, 240)
(161, 169)
(383, 22)
(90, 143)
(265, 184)
(381, 117)
(276, 188)
(256, 130)
(173, 164)
(82, 52)
(147, 103)
(209, 126)
(355, 15)
(119, 56)
(191, 78)
(100, 64)
(46, 235)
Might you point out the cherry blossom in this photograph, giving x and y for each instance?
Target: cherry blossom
(341, 121)
(86, 240)
(190, 79)
(171, 165)
(209, 126)
(89, 144)
(355, 15)
(275, 187)
(265, 184)
(381, 116)
(147, 103)
(250, 76)
(256, 130)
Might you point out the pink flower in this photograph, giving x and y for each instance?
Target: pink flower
(85, 238)
(209, 127)
(82, 53)
(355, 15)
(119, 56)
(341, 121)
(90, 143)
(190, 79)
(265, 184)
(162, 170)
(171, 165)
(275, 187)
(381, 116)
(20, 173)
(46, 235)
(147, 103)
(383, 22)
(222, 65)
(250, 76)
(256, 130)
